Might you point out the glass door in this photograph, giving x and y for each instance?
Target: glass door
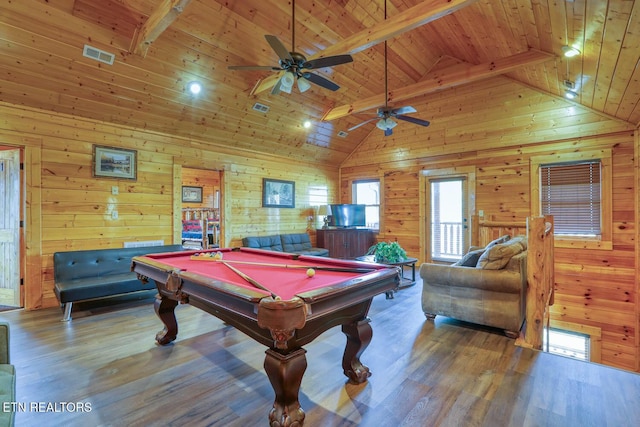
(449, 231)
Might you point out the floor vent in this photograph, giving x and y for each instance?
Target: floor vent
(342, 134)
(260, 107)
(98, 55)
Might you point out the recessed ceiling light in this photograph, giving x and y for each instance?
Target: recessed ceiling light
(307, 124)
(194, 87)
(570, 51)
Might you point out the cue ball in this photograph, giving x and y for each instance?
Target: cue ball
(311, 272)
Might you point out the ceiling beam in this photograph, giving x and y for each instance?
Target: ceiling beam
(159, 20)
(445, 78)
(410, 19)
(414, 17)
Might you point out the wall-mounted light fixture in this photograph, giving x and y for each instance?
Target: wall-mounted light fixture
(570, 51)
(570, 94)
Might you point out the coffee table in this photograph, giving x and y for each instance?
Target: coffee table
(404, 282)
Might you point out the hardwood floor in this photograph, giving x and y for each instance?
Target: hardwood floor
(424, 374)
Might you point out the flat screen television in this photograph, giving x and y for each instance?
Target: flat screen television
(347, 215)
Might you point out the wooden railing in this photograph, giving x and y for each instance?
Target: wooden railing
(540, 278)
(450, 240)
(540, 268)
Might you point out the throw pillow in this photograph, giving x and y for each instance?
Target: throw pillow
(498, 256)
(497, 241)
(470, 259)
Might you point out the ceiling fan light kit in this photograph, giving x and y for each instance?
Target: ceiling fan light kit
(386, 123)
(286, 82)
(295, 65)
(303, 84)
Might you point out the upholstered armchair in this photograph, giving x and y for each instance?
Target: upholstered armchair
(486, 287)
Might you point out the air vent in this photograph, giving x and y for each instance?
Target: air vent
(143, 244)
(342, 134)
(98, 55)
(260, 107)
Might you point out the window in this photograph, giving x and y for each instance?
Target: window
(368, 193)
(575, 188)
(571, 193)
(567, 343)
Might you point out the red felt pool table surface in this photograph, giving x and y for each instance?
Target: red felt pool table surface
(294, 311)
(286, 280)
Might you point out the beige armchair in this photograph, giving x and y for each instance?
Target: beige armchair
(493, 296)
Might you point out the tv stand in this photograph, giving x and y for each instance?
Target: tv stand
(345, 243)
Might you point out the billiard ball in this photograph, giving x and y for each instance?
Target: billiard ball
(311, 272)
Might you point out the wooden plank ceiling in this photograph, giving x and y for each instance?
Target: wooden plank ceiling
(432, 45)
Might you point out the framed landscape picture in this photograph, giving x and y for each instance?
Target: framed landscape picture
(191, 194)
(110, 162)
(278, 194)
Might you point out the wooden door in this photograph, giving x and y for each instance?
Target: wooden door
(10, 228)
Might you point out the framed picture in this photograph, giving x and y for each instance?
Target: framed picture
(112, 162)
(192, 194)
(278, 194)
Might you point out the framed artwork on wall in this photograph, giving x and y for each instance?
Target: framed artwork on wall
(111, 162)
(191, 194)
(278, 194)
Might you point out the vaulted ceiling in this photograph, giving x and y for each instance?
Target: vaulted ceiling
(432, 45)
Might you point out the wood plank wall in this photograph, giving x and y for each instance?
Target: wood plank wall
(496, 130)
(68, 209)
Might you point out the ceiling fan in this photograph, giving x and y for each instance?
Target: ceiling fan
(385, 115)
(294, 66)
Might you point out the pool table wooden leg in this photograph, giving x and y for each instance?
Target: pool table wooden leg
(359, 335)
(164, 308)
(285, 372)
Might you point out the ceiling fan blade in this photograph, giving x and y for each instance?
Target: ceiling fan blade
(253, 67)
(276, 87)
(328, 61)
(403, 110)
(414, 120)
(321, 81)
(361, 124)
(279, 48)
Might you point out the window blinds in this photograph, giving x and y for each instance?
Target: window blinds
(571, 192)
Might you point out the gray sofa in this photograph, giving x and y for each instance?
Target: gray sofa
(295, 243)
(487, 287)
(99, 273)
(7, 377)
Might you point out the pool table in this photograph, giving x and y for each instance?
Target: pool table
(276, 299)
